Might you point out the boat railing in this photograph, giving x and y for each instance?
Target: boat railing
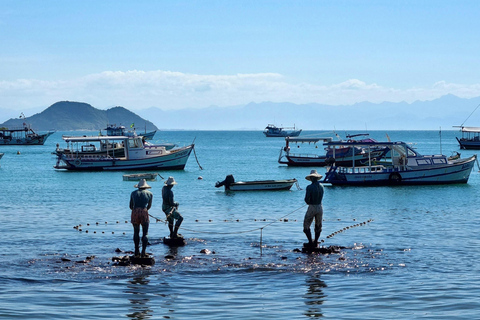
(87, 157)
(304, 155)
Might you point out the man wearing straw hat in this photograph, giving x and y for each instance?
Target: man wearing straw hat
(313, 197)
(169, 206)
(140, 203)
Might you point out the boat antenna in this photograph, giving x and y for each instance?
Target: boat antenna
(470, 115)
(440, 133)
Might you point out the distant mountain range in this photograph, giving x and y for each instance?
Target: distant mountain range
(67, 115)
(444, 112)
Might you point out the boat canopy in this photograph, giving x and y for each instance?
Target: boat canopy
(470, 129)
(94, 138)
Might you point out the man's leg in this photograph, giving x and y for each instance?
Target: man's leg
(144, 237)
(136, 238)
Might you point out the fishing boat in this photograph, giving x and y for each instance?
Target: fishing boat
(470, 138)
(114, 130)
(341, 154)
(135, 155)
(258, 185)
(140, 176)
(405, 167)
(273, 131)
(22, 136)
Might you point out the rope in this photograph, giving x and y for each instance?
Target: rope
(235, 232)
(298, 185)
(197, 158)
(470, 115)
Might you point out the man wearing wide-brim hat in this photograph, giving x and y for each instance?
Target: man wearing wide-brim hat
(169, 207)
(313, 197)
(140, 203)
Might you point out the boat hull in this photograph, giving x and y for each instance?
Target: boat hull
(266, 185)
(139, 176)
(469, 144)
(456, 172)
(283, 134)
(174, 160)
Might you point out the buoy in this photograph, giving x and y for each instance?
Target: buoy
(18, 152)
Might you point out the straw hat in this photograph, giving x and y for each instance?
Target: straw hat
(170, 181)
(142, 185)
(314, 174)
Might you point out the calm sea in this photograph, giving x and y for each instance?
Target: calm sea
(417, 259)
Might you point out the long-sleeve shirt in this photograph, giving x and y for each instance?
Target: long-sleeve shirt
(314, 193)
(141, 199)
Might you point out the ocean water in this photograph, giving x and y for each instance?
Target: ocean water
(416, 257)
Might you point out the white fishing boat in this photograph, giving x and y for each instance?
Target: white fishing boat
(135, 155)
(274, 131)
(403, 166)
(258, 185)
(140, 176)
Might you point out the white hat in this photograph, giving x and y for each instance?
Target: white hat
(170, 181)
(314, 174)
(142, 185)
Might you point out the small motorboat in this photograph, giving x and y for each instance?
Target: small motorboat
(139, 176)
(258, 185)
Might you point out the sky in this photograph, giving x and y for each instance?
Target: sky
(196, 54)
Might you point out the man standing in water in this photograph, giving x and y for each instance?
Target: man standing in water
(170, 207)
(313, 197)
(140, 203)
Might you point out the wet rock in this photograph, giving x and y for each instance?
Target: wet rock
(205, 251)
(169, 257)
(66, 260)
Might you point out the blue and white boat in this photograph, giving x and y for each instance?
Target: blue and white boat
(273, 131)
(114, 130)
(403, 166)
(134, 155)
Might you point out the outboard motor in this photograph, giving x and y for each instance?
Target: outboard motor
(227, 182)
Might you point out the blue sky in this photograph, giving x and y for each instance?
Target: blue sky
(194, 54)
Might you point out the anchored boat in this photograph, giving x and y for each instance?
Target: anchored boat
(273, 131)
(402, 166)
(140, 176)
(133, 156)
(114, 130)
(470, 138)
(258, 185)
(340, 153)
(22, 136)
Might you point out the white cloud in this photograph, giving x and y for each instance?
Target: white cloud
(175, 90)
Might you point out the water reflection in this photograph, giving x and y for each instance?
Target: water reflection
(314, 297)
(140, 300)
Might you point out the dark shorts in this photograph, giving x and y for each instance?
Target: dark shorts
(139, 216)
